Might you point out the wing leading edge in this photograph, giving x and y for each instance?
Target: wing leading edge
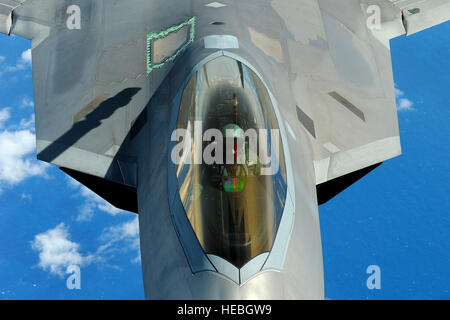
(341, 76)
(419, 15)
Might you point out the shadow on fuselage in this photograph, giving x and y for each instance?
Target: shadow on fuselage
(93, 120)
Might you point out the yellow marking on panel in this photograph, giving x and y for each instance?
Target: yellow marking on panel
(270, 46)
(91, 106)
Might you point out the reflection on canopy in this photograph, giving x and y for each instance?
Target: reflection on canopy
(233, 209)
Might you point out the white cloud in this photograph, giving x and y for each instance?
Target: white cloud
(125, 236)
(398, 93)
(23, 63)
(127, 230)
(17, 67)
(16, 163)
(26, 56)
(4, 116)
(403, 104)
(91, 202)
(27, 123)
(95, 201)
(108, 208)
(57, 251)
(85, 213)
(26, 196)
(17, 147)
(2, 59)
(26, 103)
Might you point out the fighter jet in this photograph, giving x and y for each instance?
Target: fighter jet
(223, 124)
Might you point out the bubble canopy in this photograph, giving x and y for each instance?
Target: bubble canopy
(232, 183)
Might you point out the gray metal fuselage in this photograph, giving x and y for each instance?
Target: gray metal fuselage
(166, 271)
(108, 94)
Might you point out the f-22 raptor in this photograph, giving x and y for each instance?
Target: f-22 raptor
(224, 124)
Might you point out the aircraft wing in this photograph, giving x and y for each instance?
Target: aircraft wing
(342, 79)
(6, 10)
(419, 15)
(91, 84)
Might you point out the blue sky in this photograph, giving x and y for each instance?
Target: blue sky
(396, 218)
(48, 221)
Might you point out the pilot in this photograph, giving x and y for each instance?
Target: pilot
(234, 175)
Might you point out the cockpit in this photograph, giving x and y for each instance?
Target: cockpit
(232, 177)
